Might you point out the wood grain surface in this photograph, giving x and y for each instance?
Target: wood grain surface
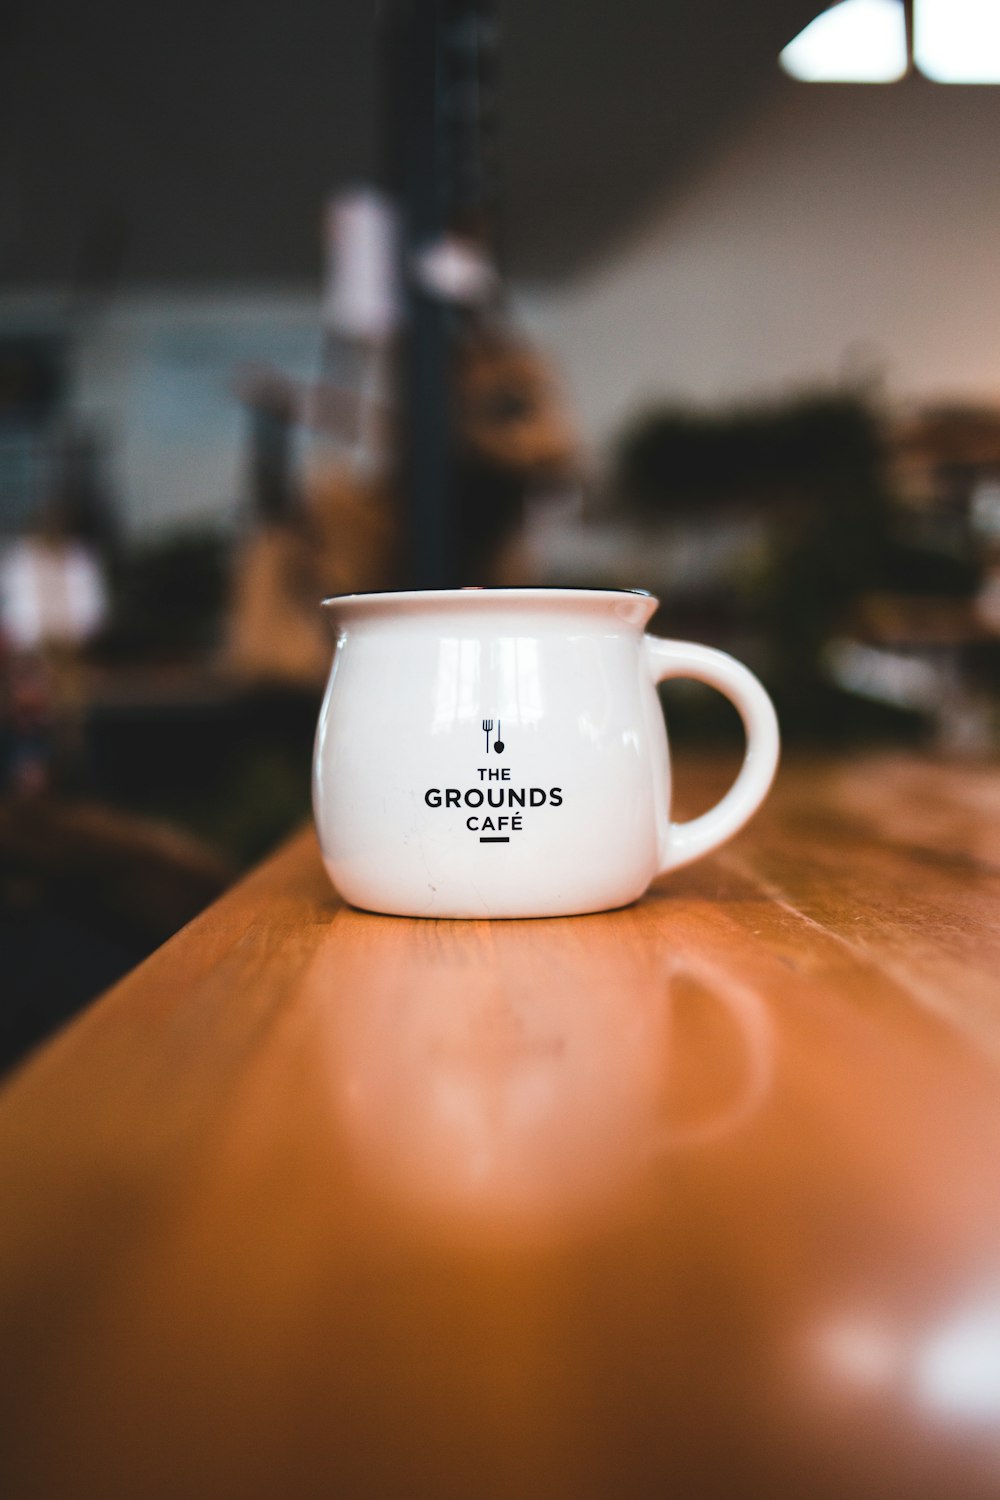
(700, 1198)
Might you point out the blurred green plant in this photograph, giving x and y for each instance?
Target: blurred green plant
(683, 459)
(815, 473)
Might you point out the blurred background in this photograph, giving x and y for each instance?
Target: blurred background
(301, 299)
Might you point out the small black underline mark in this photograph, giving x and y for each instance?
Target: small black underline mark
(504, 839)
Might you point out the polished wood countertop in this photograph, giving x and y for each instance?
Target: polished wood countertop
(699, 1198)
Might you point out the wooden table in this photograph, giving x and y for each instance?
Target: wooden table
(700, 1198)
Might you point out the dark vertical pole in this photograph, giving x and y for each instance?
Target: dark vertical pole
(908, 23)
(417, 147)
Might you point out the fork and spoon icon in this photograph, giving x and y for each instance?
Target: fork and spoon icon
(488, 730)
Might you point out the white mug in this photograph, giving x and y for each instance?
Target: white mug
(502, 753)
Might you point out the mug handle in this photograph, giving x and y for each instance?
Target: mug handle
(666, 659)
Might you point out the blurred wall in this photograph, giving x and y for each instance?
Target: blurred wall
(840, 233)
(154, 373)
(847, 231)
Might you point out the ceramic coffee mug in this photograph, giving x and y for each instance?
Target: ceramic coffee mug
(502, 753)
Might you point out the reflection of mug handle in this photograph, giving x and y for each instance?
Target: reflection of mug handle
(689, 841)
(753, 1022)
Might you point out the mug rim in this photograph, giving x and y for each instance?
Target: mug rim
(452, 595)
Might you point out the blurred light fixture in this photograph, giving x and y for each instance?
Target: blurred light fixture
(869, 41)
(957, 41)
(857, 41)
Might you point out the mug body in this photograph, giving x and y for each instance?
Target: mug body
(491, 753)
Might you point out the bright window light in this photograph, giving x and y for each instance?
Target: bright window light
(857, 41)
(957, 41)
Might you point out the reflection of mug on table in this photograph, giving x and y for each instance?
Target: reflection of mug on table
(501, 752)
(521, 1090)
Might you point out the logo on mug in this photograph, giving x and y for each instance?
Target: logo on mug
(493, 806)
(488, 730)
